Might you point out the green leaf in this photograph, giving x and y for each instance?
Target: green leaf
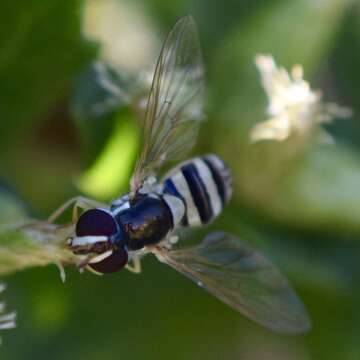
(12, 207)
(100, 94)
(110, 173)
(324, 186)
(41, 48)
(98, 91)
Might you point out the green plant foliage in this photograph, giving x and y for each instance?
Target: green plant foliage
(12, 207)
(41, 49)
(316, 203)
(99, 90)
(293, 32)
(30, 245)
(110, 173)
(69, 129)
(99, 94)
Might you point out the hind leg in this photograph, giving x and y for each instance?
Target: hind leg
(135, 266)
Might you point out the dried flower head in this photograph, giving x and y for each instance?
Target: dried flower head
(294, 108)
(7, 321)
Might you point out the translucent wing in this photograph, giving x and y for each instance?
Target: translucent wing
(242, 278)
(174, 107)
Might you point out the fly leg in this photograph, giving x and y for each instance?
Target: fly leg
(77, 202)
(173, 239)
(135, 266)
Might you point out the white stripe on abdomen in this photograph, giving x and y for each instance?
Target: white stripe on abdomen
(192, 214)
(207, 179)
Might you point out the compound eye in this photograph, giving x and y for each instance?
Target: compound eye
(115, 261)
(96, 222)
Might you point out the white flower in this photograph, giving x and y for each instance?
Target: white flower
(7, 321)
(294, 108)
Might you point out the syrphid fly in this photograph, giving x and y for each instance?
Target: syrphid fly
(193, 194)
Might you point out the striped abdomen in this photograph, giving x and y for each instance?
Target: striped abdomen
(204, 186)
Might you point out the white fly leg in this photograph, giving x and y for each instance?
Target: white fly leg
(171, 239)
(75, 202)
(135, 266)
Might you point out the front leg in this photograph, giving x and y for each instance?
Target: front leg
(75, 202)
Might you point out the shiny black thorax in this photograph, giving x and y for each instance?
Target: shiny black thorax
(146, 222)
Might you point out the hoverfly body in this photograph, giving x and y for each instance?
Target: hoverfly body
(192, 194)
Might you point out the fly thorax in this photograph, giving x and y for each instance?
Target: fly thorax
(147, 221)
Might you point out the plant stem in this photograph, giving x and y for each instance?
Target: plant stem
(34, 244)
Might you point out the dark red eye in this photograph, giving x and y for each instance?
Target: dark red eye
(96, 222)
(114, 262)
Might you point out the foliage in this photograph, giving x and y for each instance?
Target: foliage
(65, 131)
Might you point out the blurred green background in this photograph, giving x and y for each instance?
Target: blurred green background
(63, 133)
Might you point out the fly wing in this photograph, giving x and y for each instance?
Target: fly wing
(174, 107)
(243, 279)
